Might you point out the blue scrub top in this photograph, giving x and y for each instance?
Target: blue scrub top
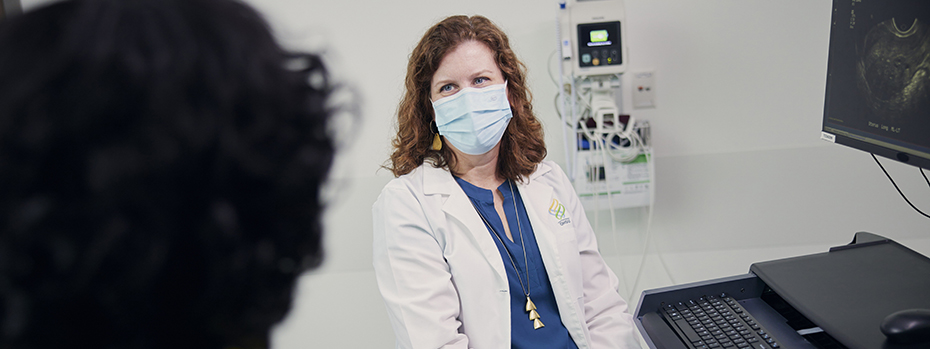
(522, 334)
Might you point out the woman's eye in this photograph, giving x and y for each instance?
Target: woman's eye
(445, 88)
(481, 80)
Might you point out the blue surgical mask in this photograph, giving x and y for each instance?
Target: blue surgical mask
(474, 119)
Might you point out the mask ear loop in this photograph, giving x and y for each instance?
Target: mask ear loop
(437, 142)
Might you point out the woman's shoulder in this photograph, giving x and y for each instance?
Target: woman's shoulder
(415, 189)
(548, 170)
(410, 179)
(550, 174)
(419, 178)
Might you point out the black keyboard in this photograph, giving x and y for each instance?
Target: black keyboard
(716, 322)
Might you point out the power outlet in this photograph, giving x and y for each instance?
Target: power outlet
(644, 90)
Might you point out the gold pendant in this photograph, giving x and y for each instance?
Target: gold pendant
(534, 316)
(529, 304)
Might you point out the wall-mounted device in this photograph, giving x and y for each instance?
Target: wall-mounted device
(598, 37)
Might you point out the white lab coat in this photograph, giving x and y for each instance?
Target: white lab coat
(443, 279)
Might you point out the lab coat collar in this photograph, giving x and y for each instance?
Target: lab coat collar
(457, 206)
(437, 180)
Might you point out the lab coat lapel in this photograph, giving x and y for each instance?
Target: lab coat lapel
(459, 207)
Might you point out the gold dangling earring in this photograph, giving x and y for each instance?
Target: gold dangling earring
(437, 142)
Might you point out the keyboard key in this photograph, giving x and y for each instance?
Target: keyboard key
(688, 331)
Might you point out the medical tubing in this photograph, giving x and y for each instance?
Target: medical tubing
(642, 263)
(630, 152)
(566, 134)
(574, 136)
(613, 215)
(601, 146)
(659, 253)
(594, 175)
(642, 260)
(620, 88)
(549, 62)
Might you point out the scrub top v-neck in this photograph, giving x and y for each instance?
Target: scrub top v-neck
(554, 334)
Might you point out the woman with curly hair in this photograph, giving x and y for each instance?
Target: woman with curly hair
(479, 242)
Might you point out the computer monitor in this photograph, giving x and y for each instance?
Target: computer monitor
(878, 79)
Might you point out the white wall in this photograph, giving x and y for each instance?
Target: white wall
(741, 173)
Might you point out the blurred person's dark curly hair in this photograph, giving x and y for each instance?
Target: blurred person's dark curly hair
(160, 172)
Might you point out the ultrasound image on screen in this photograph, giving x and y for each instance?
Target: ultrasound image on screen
(878, 76)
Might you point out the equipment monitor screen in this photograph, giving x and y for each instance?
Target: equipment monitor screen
(599, 44)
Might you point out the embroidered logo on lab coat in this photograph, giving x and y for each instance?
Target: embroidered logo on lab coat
(557, 210)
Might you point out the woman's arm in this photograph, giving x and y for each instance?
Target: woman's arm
(413, 277)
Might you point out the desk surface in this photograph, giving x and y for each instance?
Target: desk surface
(850, 290)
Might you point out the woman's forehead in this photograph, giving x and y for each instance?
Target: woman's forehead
(465, 60)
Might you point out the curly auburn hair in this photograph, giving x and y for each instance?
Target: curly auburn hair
(522, 146)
